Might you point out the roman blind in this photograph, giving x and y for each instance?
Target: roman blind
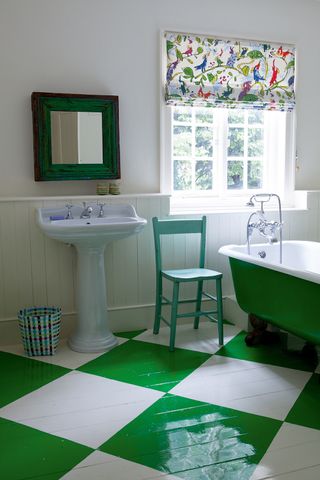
(207, 71)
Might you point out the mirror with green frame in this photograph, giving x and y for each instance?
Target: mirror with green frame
(75, 137)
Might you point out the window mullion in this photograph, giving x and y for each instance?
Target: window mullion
(222, 147)
(245, 152)
(215, 155)
(193, 150)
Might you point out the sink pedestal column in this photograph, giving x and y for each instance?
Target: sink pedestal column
(92, 333)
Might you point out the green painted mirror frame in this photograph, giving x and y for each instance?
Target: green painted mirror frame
(42, 106)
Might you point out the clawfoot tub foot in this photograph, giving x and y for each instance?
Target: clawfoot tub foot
(259, 326)
(259, 334)
(309, 352)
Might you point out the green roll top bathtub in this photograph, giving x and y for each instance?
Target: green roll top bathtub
(286, 295)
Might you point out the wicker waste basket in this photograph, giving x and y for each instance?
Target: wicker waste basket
(40, 330)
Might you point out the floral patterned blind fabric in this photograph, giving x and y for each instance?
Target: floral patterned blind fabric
(206, 71)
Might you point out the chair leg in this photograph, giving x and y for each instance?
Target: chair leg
(198, 304)
(220, 310)
(174, 311)
(157, 315)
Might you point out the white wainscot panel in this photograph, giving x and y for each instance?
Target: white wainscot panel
(38, 271)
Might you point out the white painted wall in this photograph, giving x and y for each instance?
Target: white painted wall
(112, 47)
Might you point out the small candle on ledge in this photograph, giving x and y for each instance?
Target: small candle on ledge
(103, 188)
(114, 188)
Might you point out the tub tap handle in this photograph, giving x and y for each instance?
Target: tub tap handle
(250, 228)
(274, 225)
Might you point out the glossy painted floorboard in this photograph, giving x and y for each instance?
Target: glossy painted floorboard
(140, 412)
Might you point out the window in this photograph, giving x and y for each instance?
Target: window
(244, 146)
(222, 154)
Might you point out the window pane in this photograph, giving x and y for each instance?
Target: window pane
(182, 141)
(255, 116)
(204, 138)
(236, 142)
(255, 142)
(255, 174)
(203, 175)
(205, 115)
(235, 117)
(182, 175)
(182, 114)
(235, 174)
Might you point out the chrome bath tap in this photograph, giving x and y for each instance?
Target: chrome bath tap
(266, 229)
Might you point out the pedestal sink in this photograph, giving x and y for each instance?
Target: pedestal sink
(90, 236)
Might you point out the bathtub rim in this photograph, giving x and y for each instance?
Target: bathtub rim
(229, 251)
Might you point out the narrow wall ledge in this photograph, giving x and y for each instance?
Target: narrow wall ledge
(86, 197)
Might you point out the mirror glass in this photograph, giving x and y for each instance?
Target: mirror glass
(75, 136)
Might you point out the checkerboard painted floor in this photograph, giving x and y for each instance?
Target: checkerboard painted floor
(140, 412)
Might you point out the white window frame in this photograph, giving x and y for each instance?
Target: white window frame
(279, 150)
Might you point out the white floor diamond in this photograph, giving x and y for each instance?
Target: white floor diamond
(294, 449)
(64, 356)
(98, 466)
(243, 385)
(85, 408)
(204, 339)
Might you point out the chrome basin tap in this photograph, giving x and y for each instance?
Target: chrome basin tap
(87, 211)
(69, 213)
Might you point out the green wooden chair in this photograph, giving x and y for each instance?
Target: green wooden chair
(199, 275)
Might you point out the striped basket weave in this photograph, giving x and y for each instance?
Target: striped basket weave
(40, 329)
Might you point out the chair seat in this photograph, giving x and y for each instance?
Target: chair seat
(191, 274)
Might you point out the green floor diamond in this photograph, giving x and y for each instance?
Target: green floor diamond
(146, 364)
(268, 354)
(131, 334)
(27, 453)
(195, 440)
(306, 411)
(20, 375)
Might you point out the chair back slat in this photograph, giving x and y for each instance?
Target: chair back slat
(180, 226)
(176, 227)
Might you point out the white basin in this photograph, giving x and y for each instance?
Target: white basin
(119, 221)
(90, 236)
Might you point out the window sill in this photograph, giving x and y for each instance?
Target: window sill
(207, 205)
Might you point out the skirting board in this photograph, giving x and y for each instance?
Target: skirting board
(121, 319)
(234, 314)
